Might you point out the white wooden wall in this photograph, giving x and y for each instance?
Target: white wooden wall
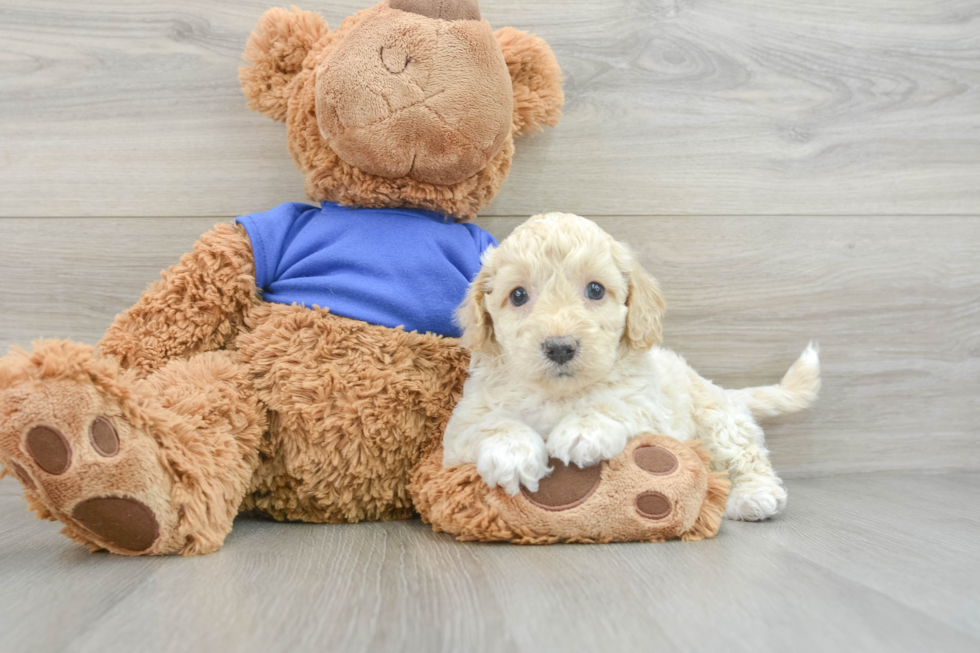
(789, 169)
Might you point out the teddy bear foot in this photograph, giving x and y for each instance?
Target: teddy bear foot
(657, 489)
(113, 520)
(67, 434)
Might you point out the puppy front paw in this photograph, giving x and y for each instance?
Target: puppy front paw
(510, 462)
(586, 442)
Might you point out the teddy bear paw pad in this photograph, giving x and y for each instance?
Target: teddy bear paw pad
(122, 522)
(49, 448)
(76, 474)
(51, 451)
(653, 505)
(104, 437)
(21, 475)
(655, 459)
(566, 487)
(82, 462)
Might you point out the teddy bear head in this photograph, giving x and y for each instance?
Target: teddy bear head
(410, 103)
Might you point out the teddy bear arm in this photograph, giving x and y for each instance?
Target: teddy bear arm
(198, 305)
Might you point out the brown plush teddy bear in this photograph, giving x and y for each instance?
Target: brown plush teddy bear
(267, 370)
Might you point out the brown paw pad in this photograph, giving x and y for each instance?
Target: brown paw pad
(655, 460)
(105, 439)
(49, 449)
(567, 486)
(124, 523)
(653, 505)
(21, 475)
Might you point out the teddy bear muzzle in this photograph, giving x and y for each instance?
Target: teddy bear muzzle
(417, 90)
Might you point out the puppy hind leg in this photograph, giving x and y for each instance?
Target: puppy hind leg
(756, 495)
(738, 447)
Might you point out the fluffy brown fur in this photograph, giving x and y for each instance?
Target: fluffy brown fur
(435, 106)
(456, 500)
(281, 87)
(277, 51)
(538, 96)
(198, 305)
(189, 436)
(355, 405)
(305, 415)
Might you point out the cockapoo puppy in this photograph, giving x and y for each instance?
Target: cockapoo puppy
(563, 324)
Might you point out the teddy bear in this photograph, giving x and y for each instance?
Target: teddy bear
(302, 361)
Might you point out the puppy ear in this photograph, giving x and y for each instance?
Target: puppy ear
(473, 316)
(645, 311)
(536, 78)
(275, 53)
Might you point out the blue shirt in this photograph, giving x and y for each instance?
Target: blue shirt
(392, 267)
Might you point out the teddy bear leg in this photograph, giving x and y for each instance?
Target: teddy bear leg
(656, 489)
(136, 466)
(355, 406)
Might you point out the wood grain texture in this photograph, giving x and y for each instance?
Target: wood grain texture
(896, 575)
(735, 107)
(894, 303)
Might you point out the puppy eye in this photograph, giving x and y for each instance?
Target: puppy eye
(518, 297)
(595, 291)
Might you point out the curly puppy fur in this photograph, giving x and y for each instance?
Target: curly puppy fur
(522, 406)
(284, 55)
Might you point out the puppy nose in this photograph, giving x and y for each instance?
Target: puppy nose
(561, 350)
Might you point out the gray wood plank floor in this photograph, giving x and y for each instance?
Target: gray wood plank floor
(857, 563)
(132, 108)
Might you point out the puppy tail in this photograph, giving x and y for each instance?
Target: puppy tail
(796, 391)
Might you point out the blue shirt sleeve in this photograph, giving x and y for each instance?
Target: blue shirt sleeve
(269, 233)
(483, 238)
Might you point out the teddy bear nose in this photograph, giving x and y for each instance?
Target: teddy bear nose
(443, 9)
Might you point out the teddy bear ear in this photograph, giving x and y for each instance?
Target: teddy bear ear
(536, 78)
(274, 55)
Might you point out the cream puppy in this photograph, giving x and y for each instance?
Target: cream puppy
(562, 324)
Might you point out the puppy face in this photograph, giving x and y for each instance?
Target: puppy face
(559, 303)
